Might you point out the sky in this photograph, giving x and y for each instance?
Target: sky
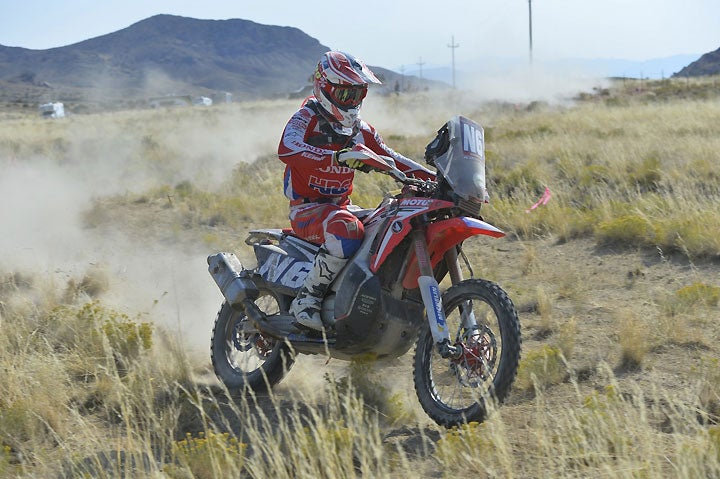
(403, 34)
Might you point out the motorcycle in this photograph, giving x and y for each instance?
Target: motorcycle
(387, 298)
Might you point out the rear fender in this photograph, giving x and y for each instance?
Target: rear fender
(442, 236)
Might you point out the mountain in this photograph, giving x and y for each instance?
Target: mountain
(170, 54)
(708, 64)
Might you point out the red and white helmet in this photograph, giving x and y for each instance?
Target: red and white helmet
(340, 84)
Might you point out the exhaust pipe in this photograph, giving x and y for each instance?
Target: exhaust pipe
(231, 278)
(280, 327)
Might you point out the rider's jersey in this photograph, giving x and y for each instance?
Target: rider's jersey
(307, 148)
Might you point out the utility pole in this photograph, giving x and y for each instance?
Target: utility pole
(453, 46)
(420, 64)
(530, 24)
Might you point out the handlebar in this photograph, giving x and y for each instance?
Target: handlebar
(426, 186)
(386, 164)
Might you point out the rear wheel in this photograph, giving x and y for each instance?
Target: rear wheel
(483, 322)
(242, 356)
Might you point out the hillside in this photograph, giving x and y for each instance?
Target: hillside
(166, 54)
(708, 64)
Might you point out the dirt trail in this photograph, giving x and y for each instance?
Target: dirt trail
(596, 293)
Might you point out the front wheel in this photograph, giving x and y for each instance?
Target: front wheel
(243, 357)
(483, 323)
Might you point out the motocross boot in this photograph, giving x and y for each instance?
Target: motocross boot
(308, 303)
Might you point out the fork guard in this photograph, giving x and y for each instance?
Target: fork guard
(442, 236)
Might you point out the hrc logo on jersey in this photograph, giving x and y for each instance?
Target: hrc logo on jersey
(330, 187)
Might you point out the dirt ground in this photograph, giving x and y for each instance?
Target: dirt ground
(572, 294)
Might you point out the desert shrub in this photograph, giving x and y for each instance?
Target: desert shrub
(714, 440)
(541, 368)
(34, 394)
(208, 455)
(699, 293)
(692, 233)
(567, 336)
(544, 309)
(85, 328)
(522, 179)
(708, 373)
(508, 215)
(333, 440)
(7, 467)
(537, 132)
(127, 338)
(92, 284)
(699, 455)
(339, 438)
(365, 381)
(476, 447)
(600, 431)
(645, 175)
(593, 175)
(679, 223)
(626, 230)
(690, 297)
(633, 340)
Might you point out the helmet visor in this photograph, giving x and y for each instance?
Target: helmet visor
(348, 95)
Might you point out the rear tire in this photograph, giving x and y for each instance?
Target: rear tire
(453, 392)
(242, 357)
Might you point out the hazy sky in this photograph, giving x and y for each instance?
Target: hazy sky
(401, 33)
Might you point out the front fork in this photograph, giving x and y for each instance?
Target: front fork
(430, 292)
(469, 322)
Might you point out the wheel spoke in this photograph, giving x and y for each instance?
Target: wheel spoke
(242, 356)
(458, 382)
(484, 326)
(246, 348)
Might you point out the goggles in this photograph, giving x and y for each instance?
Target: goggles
(348, 95)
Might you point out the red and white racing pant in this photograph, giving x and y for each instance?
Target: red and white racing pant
(330, 224)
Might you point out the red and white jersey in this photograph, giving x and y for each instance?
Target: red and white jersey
(307, 148)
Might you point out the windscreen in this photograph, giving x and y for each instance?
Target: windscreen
(463, 165)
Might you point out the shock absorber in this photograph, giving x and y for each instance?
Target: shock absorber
(430, 292)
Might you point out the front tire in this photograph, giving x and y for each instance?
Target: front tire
(242, 356)
(456, 391)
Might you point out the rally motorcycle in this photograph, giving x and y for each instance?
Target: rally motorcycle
(387, 298)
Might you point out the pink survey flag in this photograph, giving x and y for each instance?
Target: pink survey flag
(542, 201)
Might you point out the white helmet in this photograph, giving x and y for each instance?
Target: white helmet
(340, 85)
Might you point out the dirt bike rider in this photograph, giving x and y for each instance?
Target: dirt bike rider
(318, 181)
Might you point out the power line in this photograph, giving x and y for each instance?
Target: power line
(453, 46)
(420, 64)
(530, 25)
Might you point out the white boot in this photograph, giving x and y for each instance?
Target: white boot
(306, 307)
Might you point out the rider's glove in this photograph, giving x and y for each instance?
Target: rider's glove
(336, 156)
(357, 165)
(353, 163)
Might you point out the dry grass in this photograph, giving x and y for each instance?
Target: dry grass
(616, 279)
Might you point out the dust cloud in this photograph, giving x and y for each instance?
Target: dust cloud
(531, 83)
(477, 96)
(45, 191)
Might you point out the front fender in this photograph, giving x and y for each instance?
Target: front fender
(442, 236)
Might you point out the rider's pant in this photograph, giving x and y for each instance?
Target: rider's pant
(329, 224)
